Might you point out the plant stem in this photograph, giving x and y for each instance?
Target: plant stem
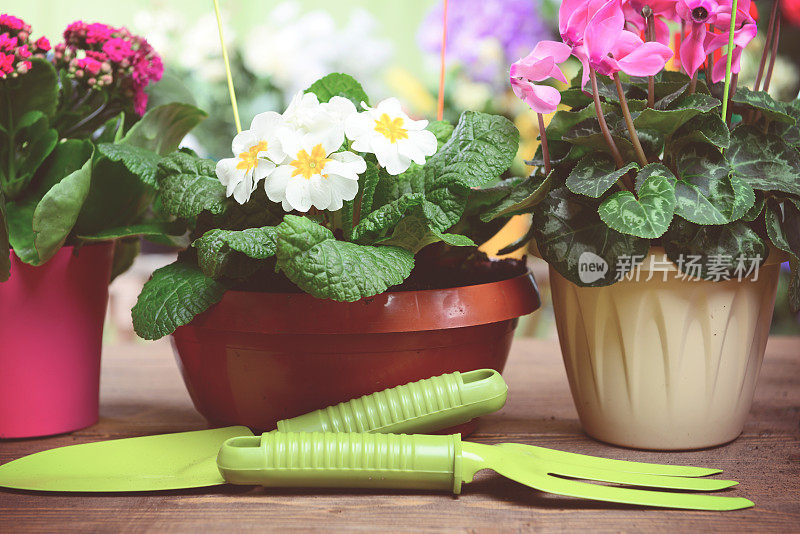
(602, 120)
(775, 40)
(545, 149)
(76, 127)
(734, 85)
(629, 121)
(693, 84)
(772, 16)
(651, 36)
(728, 61)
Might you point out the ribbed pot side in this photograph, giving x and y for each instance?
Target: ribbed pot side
(665, 363)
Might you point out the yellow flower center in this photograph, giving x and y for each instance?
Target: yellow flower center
(307, 165)
(249, 159)
(391, 129)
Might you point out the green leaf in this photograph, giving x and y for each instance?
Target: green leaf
(510, 197)
(218, 251)
(782, 220)
(113, 130)
(480, 149)
(172, 298)
(650, 215)
(764, 161)
(57, 212)
(761, 101)
(414, 233)
(162, 129)
(595, 174)
(140, 161)
(145, 229)
(707, 193)
(443, 130)
(19, 216)
(790, 133)
(369, 181)
(125, 251)
(571, 236)
(189, 186)
(378, 223)
(338, 84)
(320, 265)
(5, 247)
(37, 90)
(20, 157)
(714, 252)
(706, 128)
(666, 122)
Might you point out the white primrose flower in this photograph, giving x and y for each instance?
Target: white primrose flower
(321, 121)
(314, 174)
(257, 151)
(391, 135)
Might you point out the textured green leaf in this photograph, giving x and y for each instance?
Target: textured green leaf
(764, 161)
(588, 136)
(706, 128)
(595, 174)
(761, 101)
(140, 161)
(782, 220)
(570, 235)
(172, 298)
(443, 130)
(57, 212)
(790, 133)
(162, 129)
(320, 265)
(19, 216)
(480, 149)
(510, 197)
(413, 233)
(189, 186)
(707, 193)
(218, 250)
(650, 215)
(338, 84)
(714, 252)
(5, 247)
(758, 206)
(380, 222)
(151, 228)
(667, 121)
(369, 181)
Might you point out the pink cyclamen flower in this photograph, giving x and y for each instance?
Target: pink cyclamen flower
(538, 66)
(663, 11)
(610, 48)
(698, 14)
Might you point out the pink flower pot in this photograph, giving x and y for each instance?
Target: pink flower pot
(51, 329)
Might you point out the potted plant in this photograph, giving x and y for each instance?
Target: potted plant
(664, 202)
(71, 208)
(334, 255)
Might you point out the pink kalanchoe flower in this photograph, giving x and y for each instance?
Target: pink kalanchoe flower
(7, 43)
(140, 101)
(23, 52)
(537, 66)
(117, 49)
(6, 64)
(14, 23)
(90, 65)
(42, 44)
(98, 33)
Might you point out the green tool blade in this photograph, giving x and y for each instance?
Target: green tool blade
(169, 461)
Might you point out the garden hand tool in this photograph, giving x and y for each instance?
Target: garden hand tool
(188, 459)
(347, 460)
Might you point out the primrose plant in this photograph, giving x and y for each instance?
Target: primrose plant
(78, 153)
(640, 156)
(334, 197)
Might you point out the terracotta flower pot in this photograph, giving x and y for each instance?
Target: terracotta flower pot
(256, 358)
(668, 363)
(51, 329)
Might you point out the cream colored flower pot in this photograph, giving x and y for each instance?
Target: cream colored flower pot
(665, 363)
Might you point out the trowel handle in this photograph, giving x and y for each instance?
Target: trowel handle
(424, 406)
(343, 460)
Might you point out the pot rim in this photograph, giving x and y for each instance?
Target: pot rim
(388, 312)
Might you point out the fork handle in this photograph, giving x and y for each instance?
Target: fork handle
(343, 460)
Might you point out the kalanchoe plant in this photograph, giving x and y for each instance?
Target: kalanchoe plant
(339, 203)
(646, 158)
(77, 162)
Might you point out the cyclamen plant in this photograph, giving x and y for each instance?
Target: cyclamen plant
(339, 203)
(77, 162)
(646, 158)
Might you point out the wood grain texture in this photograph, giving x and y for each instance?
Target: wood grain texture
(142, 394)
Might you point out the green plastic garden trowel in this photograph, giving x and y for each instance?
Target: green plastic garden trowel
(188, 459)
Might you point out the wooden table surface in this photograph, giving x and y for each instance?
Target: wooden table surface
(142, 394)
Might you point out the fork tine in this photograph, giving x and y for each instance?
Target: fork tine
(636, 479)
(551, 455)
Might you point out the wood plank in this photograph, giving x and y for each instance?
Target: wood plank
(142, 394)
